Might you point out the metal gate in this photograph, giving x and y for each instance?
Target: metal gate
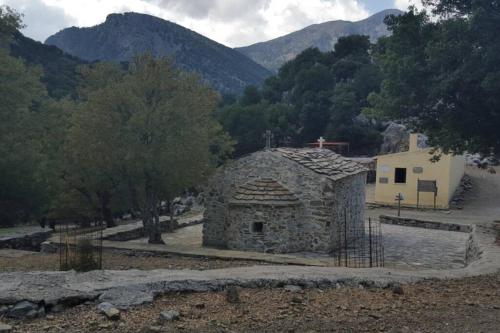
(359, 246)
(80, 246)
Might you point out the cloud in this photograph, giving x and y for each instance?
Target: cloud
(404, 4)
(41, 20)
(243, 22)
(230, 22)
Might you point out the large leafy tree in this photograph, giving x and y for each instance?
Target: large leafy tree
(21, 189)
(10, 22)
(443, 77)
(91, 168)
(22, 194)
(150, 133)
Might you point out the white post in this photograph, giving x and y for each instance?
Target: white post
(321, 141)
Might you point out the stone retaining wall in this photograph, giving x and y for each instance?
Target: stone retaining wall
(133, 233)
(123, 236)
(417, 223)
(139, 231)
(30, 242)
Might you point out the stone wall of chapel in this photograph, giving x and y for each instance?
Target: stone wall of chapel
(322, 201)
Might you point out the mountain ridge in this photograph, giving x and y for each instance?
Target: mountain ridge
(273, 53)
(122, 36)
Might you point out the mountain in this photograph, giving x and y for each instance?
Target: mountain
(122, 36)
(274, 53)
(60, 74)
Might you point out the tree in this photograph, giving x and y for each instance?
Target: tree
(10, 22)
(442, 77)
(319, 94)
(21, 189)
(91, 171)
(251, 95)
(246, 125)
(150, 132)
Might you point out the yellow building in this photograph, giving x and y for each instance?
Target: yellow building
(409, 171)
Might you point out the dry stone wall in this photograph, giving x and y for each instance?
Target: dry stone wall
(280, 233)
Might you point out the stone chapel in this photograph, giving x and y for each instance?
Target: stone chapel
(284, 200)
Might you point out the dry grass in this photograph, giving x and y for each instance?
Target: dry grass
(120, 261)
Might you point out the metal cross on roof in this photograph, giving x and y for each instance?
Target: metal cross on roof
(268, 136)
(321, 141)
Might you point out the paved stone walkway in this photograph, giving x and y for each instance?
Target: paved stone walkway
(417, 248)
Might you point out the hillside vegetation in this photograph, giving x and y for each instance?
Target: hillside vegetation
(60, 70)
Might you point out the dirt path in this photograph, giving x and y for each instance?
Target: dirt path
(484, 200)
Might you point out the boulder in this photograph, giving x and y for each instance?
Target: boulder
(293, 288)
(23, 309)
(396, 288)
(3, 309)
(232, 294)
(151, 329)
(112, 314)
(200, 199)
(101, 307)
(396, 138)
(168, 316)
(109, 310)
(180, 209)
(4, 328)
(189, 201)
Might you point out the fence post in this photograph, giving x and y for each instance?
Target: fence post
(100, 246)
(370, 240)
(345, 236)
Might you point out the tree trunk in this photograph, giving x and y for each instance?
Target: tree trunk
(107, 215)
(152, 223)
(171, 225)
(135, 201)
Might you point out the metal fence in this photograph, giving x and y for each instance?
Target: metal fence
(80, 247)
(359, 246)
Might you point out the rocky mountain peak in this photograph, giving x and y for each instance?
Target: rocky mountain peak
(122, 36)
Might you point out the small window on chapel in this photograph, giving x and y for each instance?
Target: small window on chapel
(400, 176)
(257, 227)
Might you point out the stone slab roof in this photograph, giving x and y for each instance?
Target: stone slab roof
(323, 161)
(264, 191)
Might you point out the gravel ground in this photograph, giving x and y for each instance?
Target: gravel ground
(116, 261)
(465, 305)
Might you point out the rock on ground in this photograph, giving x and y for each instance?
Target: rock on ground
(4, 328)
(232, 294)
(293, 288)
(169, 315)
(24, 309)
(109, 310)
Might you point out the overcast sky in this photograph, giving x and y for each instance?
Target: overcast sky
(230, 22)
